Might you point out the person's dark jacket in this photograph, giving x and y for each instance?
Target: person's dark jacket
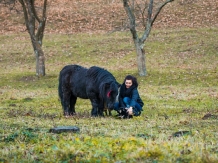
(132, 93)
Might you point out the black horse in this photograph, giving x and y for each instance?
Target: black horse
(95, 83)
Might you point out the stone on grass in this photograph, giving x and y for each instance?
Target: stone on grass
(61, 129)
(210, 116)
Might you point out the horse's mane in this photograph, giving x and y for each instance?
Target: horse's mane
(102, 77)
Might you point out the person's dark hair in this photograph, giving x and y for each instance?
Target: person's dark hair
(134, 80)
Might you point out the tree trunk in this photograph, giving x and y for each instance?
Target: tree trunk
(40, 59)
(39, 54)
(141, 60)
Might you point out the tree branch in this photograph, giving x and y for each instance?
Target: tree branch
(159, 9)
(150, 21)
(131, 18)
(150, 9)
(142, 12)
(34, 10)
(25, 14)
(31, 18)
(41, 28)
(44, 9)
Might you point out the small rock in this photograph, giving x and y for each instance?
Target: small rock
(210, 116)
(61, 129)
(181, 133)
(28, 99)
(145, 136)
(12, 105)
(185, 152)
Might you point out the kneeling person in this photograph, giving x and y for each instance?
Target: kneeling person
(129, 102)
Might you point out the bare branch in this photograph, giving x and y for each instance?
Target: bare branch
(25, 14)
(159, 9)
(150, 21)
(44, 9)
(31, 18)
(34, 10)
(150, 9)
(41, 28)
(131, 18)
(142, 12)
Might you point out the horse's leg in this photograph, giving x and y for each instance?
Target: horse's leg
(95, 102)
(66, 101)
(109, 110)
(72, 105)
(94, 107)
(101, 109)
(105, 111)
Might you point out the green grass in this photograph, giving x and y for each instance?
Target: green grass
(179, 90)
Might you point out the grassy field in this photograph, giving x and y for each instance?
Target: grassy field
(180, 93)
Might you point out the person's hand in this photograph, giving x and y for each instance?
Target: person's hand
(130, 111)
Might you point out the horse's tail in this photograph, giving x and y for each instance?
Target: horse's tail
(63, 72)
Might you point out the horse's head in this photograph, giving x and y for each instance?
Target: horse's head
(109, 93)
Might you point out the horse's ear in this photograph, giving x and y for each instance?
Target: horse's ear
(114, 86)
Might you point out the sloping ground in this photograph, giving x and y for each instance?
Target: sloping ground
(66, 16)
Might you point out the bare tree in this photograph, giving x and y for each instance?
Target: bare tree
(147, 22)
(36, 31)
(35, 24)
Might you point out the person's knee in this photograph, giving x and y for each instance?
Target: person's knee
(126, 100)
